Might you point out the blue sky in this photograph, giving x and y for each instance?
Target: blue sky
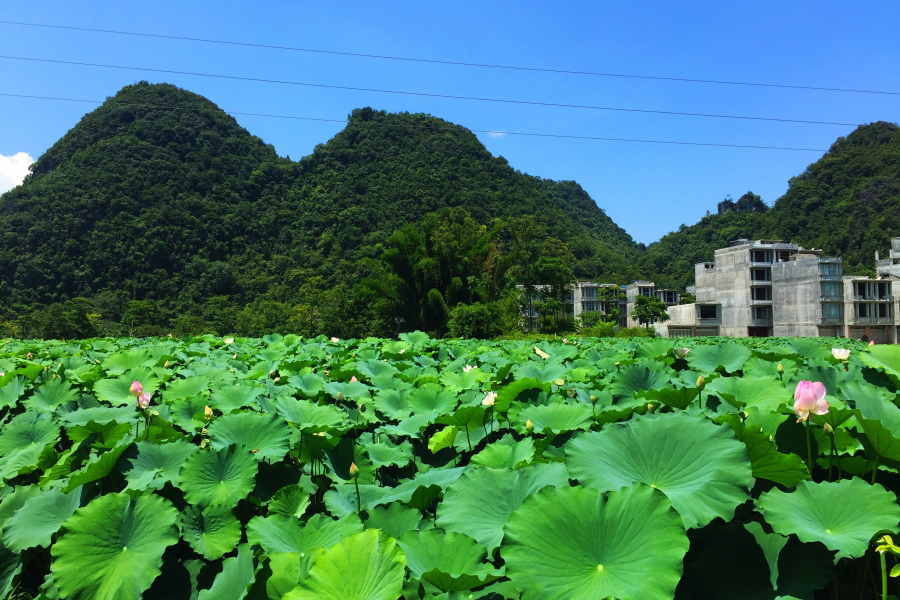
(647, 189)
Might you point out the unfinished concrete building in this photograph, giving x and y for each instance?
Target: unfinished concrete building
(648, 289)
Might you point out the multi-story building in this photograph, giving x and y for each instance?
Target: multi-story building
(648, 289)
(582, 297)
(770, 288)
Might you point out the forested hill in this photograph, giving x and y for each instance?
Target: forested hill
(847, 203)
(158, 206)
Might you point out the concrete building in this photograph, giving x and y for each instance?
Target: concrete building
(584, 297)
(648, 289)
(771, 288)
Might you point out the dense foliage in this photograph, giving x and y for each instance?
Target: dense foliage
(159, 197)
(847, 204)
(290, 468)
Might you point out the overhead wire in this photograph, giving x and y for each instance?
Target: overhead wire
(457, 63)
(421, 127)
(425, 94)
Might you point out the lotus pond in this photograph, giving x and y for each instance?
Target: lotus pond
(281, 467)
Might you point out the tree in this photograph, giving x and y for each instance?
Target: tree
(649, 309)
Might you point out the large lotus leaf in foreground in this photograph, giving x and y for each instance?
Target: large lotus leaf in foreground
(39, 518)
(480, 502)
(729, 356)
(448, 561)
(364, 566)
(843, 515)
(703, 469)
(224, 477)
(112, 548)
(573, 543)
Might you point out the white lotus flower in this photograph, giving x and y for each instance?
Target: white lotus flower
(489, 399)
(840, 353)
(467, 368)
(335, 340)
(229, 340)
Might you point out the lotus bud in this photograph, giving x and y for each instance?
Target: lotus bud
(565, 341)
(234, 356)
(570, 393)
(354, 471)
(207, 413)
(701, 383)
(276, 380)
(489, 399)
(529, 426)
(136, 389)
(829, 430)
(2, 374)
(682, 352)
(780, 369)
(143, 401)
(354, 379)
(809, 397)
(166, 365)
(340, 397)
(872, 343)
(29, 356)
(170, 335)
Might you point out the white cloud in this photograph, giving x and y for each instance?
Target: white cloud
(13, 170)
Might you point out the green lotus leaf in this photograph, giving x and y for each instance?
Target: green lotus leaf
(309, 384)
(843, 515)
(431, 400)
(182, 389)
(10, 567)
(342, 456)
(116, 364)
(291, 501)
(465, 418)
(703, 469)
(50, 395)
(16, 499)
(771, 545)
(233, 583)
(385, 454)
(505, 453)
(765, 393)
(766, 461)
(410, 427)
(211, 532)
(680, 398)
(341, 500)
(286, 568)
(480, 502)
(451, 562)
(556, 417)
(189, 413)
(573, 543)
(22, 461)
(631, 379)
(25, 430)
(266, 436)
(395, 519)
(210, 477)
(405, 491)
(393, 404)
(510, 393)
(459, 381)
(11, 392)
(729, 357)
(884, 358)
(546, 374)
(39, 518)
(118, 391)
(101, 415)
(364, 566)
(148, 465)
(351, 391)
(234, 397)
(309, 416)
(371, 369)
(278, 533)
(112, 548)
(657, 348)
(760, 367)
(443, 439)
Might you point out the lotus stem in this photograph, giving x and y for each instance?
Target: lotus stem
(808, 450)
(358, 501)
(469, 441)
(875, 471)
(883, 576)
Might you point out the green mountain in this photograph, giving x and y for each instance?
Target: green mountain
(162, 212)
(847, 203)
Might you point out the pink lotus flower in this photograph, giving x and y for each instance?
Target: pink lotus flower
(840, 353)
(872, 343)
(489, 399)
(565, 341)
(234, 356)
(29, 356)
(467, 368)
(809, 397)
(353, 379)
(136, 389)
(143, 401)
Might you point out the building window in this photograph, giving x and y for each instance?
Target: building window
(861, 290)
(830, 269)
(589, 293)
(760, 256)
(646, 291)
(884, 291)
(669, 297)
(862, 310)
(884, 310)
(832, 310)
(761, 274)
(762, 313)
(832, 289)
(589, 306)
(708, 312)
(763, 293)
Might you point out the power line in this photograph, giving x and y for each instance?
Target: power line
(426, 94)
(423, 127)
(454, 63)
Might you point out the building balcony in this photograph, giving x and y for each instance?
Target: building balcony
(858, 298)
(760, 264)
(831, 299)
(872, 320)
(832, 320)
(760, 302)
(831, 277)
(761, 322)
